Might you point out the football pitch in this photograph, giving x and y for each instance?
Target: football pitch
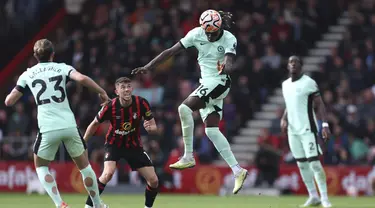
(180, 201)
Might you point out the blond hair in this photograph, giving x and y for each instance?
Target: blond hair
(43, 49)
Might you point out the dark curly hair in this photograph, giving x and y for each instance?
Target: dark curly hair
(227, 20)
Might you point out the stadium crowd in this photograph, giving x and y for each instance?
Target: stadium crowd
(110, 38)
(20, 21)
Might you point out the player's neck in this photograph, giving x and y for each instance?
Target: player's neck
(45, 61)
(296, 77)
(221, 35)
(125, 103)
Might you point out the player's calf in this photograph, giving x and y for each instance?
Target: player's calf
(307, 177)
(49, 184)
(185, 110)
(91, 185)
(89, 178)
(47, 180)
(320, 177)
(152, 185)
(187, 126)
(101, 187)
(109, 169)
(222, 145)
(106, 177)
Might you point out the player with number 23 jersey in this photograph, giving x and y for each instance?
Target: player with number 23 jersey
(47, 82)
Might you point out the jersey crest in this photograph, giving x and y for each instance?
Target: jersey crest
(220, 49)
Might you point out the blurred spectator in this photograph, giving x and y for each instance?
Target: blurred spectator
(3, 123)
(275, 125)
(358, 149)
(203, 145)
(231, 117)
(18, 122)
(156, 156)
(353, 122)
(271, 58)
(267, 158)
(337, 148)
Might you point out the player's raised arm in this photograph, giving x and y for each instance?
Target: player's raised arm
(17, 92)
(104, 114)
(91, 129)
(89, 83)
(185, 42)
(163, 56)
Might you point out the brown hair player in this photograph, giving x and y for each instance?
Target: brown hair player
(125, 113)
(47, 82)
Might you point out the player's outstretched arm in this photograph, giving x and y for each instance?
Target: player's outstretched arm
(89, 83)
(150, 126)
(91, 129)
(321, 111)
(13, 97)
(166, 54)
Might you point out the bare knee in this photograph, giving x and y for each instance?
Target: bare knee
(82, 161)
(212, 120)
(194, 103)
(106, 177)
(39, 162)
(153, 181)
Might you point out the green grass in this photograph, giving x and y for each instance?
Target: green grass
(180, 201)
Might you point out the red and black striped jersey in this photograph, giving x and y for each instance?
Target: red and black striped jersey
(125, 121)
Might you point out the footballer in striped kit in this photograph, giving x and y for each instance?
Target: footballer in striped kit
(123, 140)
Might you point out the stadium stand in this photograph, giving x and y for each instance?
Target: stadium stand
(22, 20)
